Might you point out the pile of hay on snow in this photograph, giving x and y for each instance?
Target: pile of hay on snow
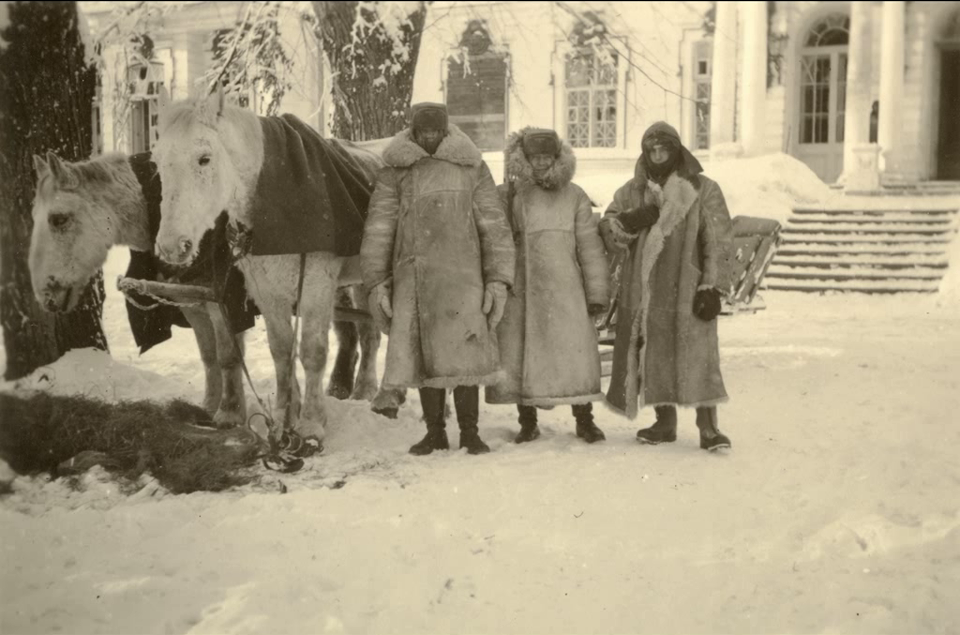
(61, 435)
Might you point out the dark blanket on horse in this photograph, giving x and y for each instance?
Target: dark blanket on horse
(212, 268)
(312, 193)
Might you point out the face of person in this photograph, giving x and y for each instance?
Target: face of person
(428, 138)
(659, 153)
(541, 163)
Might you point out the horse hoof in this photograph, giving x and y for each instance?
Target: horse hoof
(339, 391)
(310, 430)
(225, 420)
(365, 393)
(389, 413)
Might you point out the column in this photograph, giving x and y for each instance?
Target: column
(891, 82)
(859, 156)
(723, 84)
(754, 86)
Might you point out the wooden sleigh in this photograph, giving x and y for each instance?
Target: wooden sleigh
(755, 242)
(188, 294)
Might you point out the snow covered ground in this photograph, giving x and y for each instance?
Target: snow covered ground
(835, 512)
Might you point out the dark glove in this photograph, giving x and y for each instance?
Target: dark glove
(706, 304)
(594, 310)
(639, 218)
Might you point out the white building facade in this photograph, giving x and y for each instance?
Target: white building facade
(180, 55)
(831, 83)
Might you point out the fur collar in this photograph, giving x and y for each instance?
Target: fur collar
(557, 177)
(675, 199)
(456, 147)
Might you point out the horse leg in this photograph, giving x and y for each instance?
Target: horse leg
(316, 313)
(277, 313)
(207, 343)
(341, 380)
(233, 404)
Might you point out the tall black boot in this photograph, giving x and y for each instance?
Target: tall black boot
(664, 430)
(433, 401)
(586, 428)
(466, 401)
(528, 424)
(710, 436)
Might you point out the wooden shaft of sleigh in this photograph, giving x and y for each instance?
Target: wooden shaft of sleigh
(194, 293)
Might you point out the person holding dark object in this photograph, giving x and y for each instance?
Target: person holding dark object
(548, 342)
(674, 224)
(438, 260)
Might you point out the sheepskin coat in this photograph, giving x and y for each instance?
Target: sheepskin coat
(663, 353)
(437, 230)
(548, 342)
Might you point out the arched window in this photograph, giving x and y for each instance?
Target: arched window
(477, 89)
(830, 31)
(823, 94)
(823, 80)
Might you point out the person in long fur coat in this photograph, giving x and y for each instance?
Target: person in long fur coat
(438, 259)
(674, 223)
(547, 339)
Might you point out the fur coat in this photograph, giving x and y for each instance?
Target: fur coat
(663, 353)
(548, 342)
(437, 230)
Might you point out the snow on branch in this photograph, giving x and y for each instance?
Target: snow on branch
(250, 60)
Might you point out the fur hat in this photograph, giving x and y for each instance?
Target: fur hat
(428, 115)
(541, 141)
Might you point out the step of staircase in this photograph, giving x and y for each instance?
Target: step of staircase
(872, 228)
(858, 286)
(860, 249)
(799, 212)
(878, 239)
(863, 250)
(785, 272)
(881, 218)
(884, 261)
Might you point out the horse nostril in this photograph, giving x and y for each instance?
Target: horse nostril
(185, 246)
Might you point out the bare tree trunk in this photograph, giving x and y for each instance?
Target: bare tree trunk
(365, 106)
(46, 101)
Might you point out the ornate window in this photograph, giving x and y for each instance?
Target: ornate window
(591, 91)
(830, 31)
(823, 81)
(477, 89)
(145, 81)
(702, 76)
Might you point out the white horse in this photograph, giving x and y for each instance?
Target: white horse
(80, 211)
(211, 154)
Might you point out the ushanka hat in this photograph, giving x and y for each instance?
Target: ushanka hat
(428, 116)
(541, 141)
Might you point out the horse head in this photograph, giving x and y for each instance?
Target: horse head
(72, 231)
(208, 156)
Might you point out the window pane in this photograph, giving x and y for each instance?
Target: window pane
(579, 70)
(607, 74)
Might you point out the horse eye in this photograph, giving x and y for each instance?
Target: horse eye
(59, 221)
(205, 159)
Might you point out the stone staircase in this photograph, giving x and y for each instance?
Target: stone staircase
(871, 251)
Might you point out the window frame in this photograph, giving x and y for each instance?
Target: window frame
(563, 51)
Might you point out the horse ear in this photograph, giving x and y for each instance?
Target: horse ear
(40, 166)
(65, 177)
(220, 100)
(210, 108)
